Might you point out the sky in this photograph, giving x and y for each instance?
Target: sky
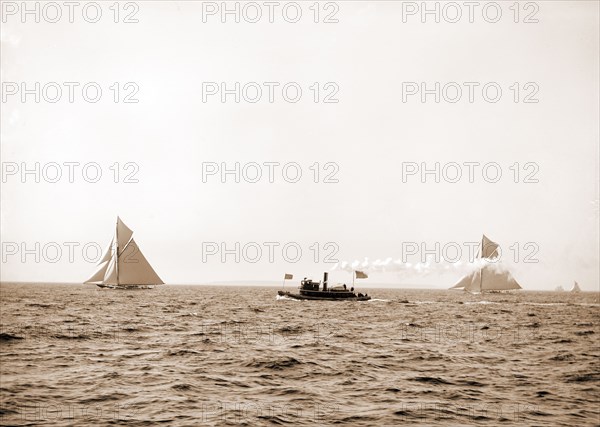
(360, 120)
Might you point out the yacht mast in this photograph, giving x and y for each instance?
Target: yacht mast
(117, 251)
(480, 270)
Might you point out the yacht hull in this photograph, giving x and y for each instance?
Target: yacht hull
(124, 287)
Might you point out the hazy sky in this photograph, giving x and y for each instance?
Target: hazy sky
(369, 136)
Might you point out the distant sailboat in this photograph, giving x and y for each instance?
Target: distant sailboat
(123, 266)
(559, 289)
(575, 287)
(489, 277)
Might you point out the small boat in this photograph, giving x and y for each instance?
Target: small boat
(123, 266)
(311, 290)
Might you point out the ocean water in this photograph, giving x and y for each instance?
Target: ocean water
(195, 355)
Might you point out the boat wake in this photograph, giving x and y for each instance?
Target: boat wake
(285, 298)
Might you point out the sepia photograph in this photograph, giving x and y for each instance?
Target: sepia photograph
(300, 213)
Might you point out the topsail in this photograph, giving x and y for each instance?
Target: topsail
(123, 264)
(489, 249)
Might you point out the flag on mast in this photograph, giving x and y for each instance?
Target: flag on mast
(288, 276)
(361, 275)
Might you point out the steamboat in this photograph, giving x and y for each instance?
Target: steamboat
(311, 290)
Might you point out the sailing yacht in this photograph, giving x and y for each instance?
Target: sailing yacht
(123, 266)
(490, 276)
(559, 289)
(575, 288)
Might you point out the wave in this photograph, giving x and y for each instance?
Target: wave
(286, 298)
(430, 361)
(9, 337)
(277, 364)
(431, 380)
(582, 378)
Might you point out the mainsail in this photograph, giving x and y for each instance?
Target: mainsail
(575, 287)
(490, 276)
(123, 263)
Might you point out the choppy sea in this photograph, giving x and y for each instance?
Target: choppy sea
(201, 355)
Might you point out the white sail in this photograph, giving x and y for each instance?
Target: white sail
(492, 276)
(98, 276)
(464, 282)
(110, 278)
(123, 234)
(575, 287)
(489, 249)
(134, 269)
(108, 252)
(127, 267)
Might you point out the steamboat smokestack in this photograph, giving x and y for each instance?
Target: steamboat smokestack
(325, 281)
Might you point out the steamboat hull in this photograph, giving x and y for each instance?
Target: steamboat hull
(327, 296)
